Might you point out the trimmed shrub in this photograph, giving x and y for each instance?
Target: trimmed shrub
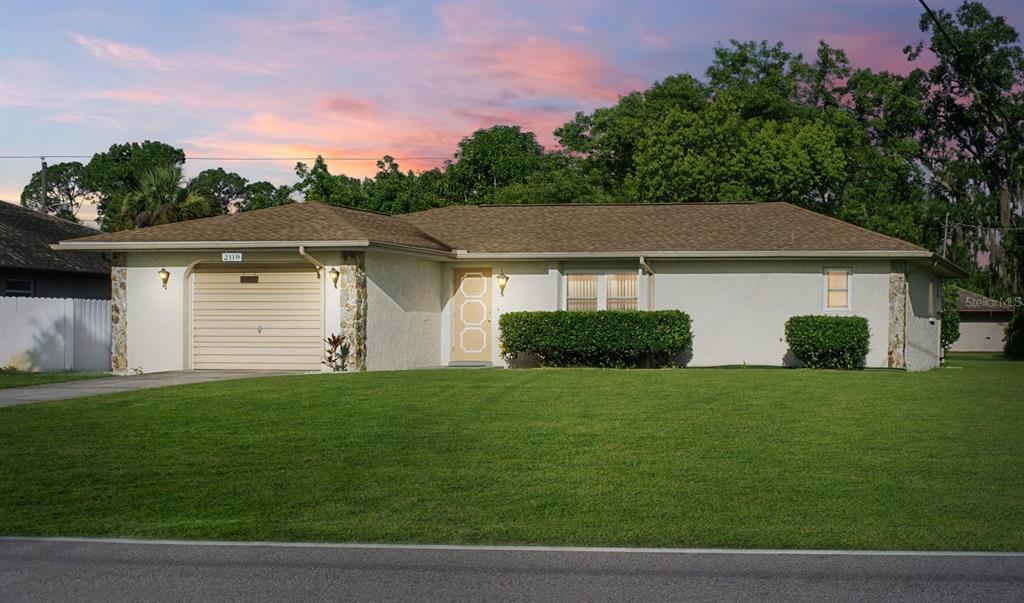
(1015, 335)
(835, 342)
(602, 339)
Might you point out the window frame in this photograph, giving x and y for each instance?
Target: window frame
(31, 291)
(825, 290)
(602, 285)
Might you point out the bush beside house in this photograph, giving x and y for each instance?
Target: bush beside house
(1015, 335)
(599, 339)
(836, 342)
(950, 316)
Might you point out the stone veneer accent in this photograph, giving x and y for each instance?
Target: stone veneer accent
(352, 284)
(119, 313)
(898, 315)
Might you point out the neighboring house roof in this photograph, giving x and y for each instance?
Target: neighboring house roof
(26, 236)
(295, 223)
(680, 229)
(972, 302)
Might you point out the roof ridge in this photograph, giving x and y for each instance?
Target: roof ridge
(617, 204)
(852, 225)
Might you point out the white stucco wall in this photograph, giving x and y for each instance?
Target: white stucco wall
(740, 308)
(924, 306)
(403, 311)
(159, 325)
(981, 333)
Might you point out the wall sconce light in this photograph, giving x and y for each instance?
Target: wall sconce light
(335, 275)
(164, 276)
(502, 281)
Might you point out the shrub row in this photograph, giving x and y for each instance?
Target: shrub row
(602, 339)
(836, 342)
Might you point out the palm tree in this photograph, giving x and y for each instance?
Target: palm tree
(160, 198)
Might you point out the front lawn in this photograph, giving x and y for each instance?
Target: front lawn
(666, 458)
(21, 378)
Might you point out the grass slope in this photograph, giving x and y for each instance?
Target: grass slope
(690, 458)
(20, 379)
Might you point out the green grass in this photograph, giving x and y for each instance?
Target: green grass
(20, 378)
(688, 458)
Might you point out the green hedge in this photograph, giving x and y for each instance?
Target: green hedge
(604, 339)
(837, 342)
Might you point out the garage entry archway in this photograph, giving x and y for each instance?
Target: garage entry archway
(267, 317)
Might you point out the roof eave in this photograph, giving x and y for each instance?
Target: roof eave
(99, 246)
(769, 254)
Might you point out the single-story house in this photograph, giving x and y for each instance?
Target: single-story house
(261, 289)
(983, 323)
(30, 268)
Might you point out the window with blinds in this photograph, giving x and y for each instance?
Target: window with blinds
(621, 291)
(581, 292)
(837, 289)
(601, 291)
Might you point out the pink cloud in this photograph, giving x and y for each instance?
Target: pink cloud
(134, 96)
(490, 50)
(132, 56)
(345, 105)
(67, 117)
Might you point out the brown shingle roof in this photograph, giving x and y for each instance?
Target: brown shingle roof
(976, 302)
(575, 228)
(25, 238)
(305, 222)
(688, 227)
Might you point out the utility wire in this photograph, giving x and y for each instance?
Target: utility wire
(233, 158)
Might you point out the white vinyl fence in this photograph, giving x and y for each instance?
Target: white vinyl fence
(49, 334)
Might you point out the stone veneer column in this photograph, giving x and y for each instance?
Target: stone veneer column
(898, 315)
(119, 313)
(352, 283)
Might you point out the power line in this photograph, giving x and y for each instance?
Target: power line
(235, 158)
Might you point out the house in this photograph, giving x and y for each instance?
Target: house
(30, 268)
(261, 289)
(983, 323)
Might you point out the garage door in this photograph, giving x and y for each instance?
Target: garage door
(262, 318)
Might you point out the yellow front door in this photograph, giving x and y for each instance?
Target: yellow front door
(471, 336)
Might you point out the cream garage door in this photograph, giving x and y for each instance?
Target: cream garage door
(260, 318)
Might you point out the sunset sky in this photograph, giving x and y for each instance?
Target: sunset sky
(264, 79)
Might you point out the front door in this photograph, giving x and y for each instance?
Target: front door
(471, 336)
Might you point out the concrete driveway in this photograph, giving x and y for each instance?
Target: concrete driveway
(111, 385)
(92, 570)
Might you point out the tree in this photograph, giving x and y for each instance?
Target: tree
(719, 156)
(559, 179)
(159, 198)
(224, 190)
(263, 194)
(492, 158)
(318, 184)
(65, 190)
(974, 140)
(114, 173)
(608, 137)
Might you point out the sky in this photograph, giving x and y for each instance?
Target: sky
(363, 79)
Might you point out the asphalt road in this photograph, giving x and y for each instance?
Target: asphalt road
(53, 570)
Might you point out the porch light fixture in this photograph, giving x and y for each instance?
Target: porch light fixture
(164, 276)
(335, 275)
(502, 281)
